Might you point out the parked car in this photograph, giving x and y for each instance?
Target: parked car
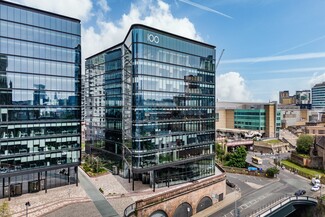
(300, 192)
(315, 188)
(230, 184)
(315, 181)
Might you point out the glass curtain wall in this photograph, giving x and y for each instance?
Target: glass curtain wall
(158, 107)
(173, 106)
(40, 75)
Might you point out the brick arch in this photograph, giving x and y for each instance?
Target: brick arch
(184, 209)
(204, 203)
(159, 213)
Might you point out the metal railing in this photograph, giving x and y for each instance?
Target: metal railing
(129, 210)
(277, 204)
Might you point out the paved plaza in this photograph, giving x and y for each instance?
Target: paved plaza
(86, 200)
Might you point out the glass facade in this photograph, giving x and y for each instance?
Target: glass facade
(254, 119)
(318, 96)
(151, 106)
(40, 110)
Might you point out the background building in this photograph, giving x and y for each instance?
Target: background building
(318, 96)
(292, 115)
(283, 96)
(303, 99)
(39, 99)
(264, 118)
(150, 108)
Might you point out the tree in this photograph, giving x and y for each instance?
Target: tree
(272, 171)
(304, 143)
(5, 209)
(219, 151)
(238, 158)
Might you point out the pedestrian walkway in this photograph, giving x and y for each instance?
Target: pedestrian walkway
(104, 208)
(229, 199)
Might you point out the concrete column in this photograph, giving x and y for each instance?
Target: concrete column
(154, 181)
(3, 187)
(69, 175)
(39, 180)
(76, 172)
(45, 182)
(9, 188)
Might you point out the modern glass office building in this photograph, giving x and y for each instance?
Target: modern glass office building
(39, 99)
(318, 96)
(150, 107)
(254, 119)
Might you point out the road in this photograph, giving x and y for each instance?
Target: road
(267, 158)
(257, 192)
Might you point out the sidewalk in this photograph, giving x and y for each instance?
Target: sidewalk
(43, 203)
(104, 208)
(229, 199)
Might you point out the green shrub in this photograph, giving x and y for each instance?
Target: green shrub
(272, 171)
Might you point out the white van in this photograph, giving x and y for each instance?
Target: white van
(315, 181)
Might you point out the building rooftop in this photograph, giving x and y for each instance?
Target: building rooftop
(37, 10)
(320, 84)
(243, 105)
(154, 29)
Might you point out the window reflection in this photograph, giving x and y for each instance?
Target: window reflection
(39, 89)
(36, 34)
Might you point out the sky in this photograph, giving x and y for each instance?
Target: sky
(269, 45)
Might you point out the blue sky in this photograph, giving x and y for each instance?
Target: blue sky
(270, 45)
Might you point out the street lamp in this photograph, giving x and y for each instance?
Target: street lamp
(27, 204)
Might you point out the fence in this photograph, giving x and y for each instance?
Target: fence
(278, 203)
(244, 171)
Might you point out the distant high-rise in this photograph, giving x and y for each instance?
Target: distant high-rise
(282, 95)
(318, 96)
(39, 99)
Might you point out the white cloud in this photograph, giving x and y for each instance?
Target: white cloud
(156, 14)
(302, 56)
(104, 6)
(232, 87)
(205, 8)
(104, 34)
(296, 70)
(79, 9)
(316, 79)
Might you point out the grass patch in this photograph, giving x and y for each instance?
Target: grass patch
(311, 172)
(272, 141)
(303, 155)
(83, 146)
(91, 172)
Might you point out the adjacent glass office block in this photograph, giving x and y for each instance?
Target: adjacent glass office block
(40, 102)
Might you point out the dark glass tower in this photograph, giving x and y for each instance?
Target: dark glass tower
(39, 99)
(150, 106)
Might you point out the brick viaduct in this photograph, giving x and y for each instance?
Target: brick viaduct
(184, 201)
